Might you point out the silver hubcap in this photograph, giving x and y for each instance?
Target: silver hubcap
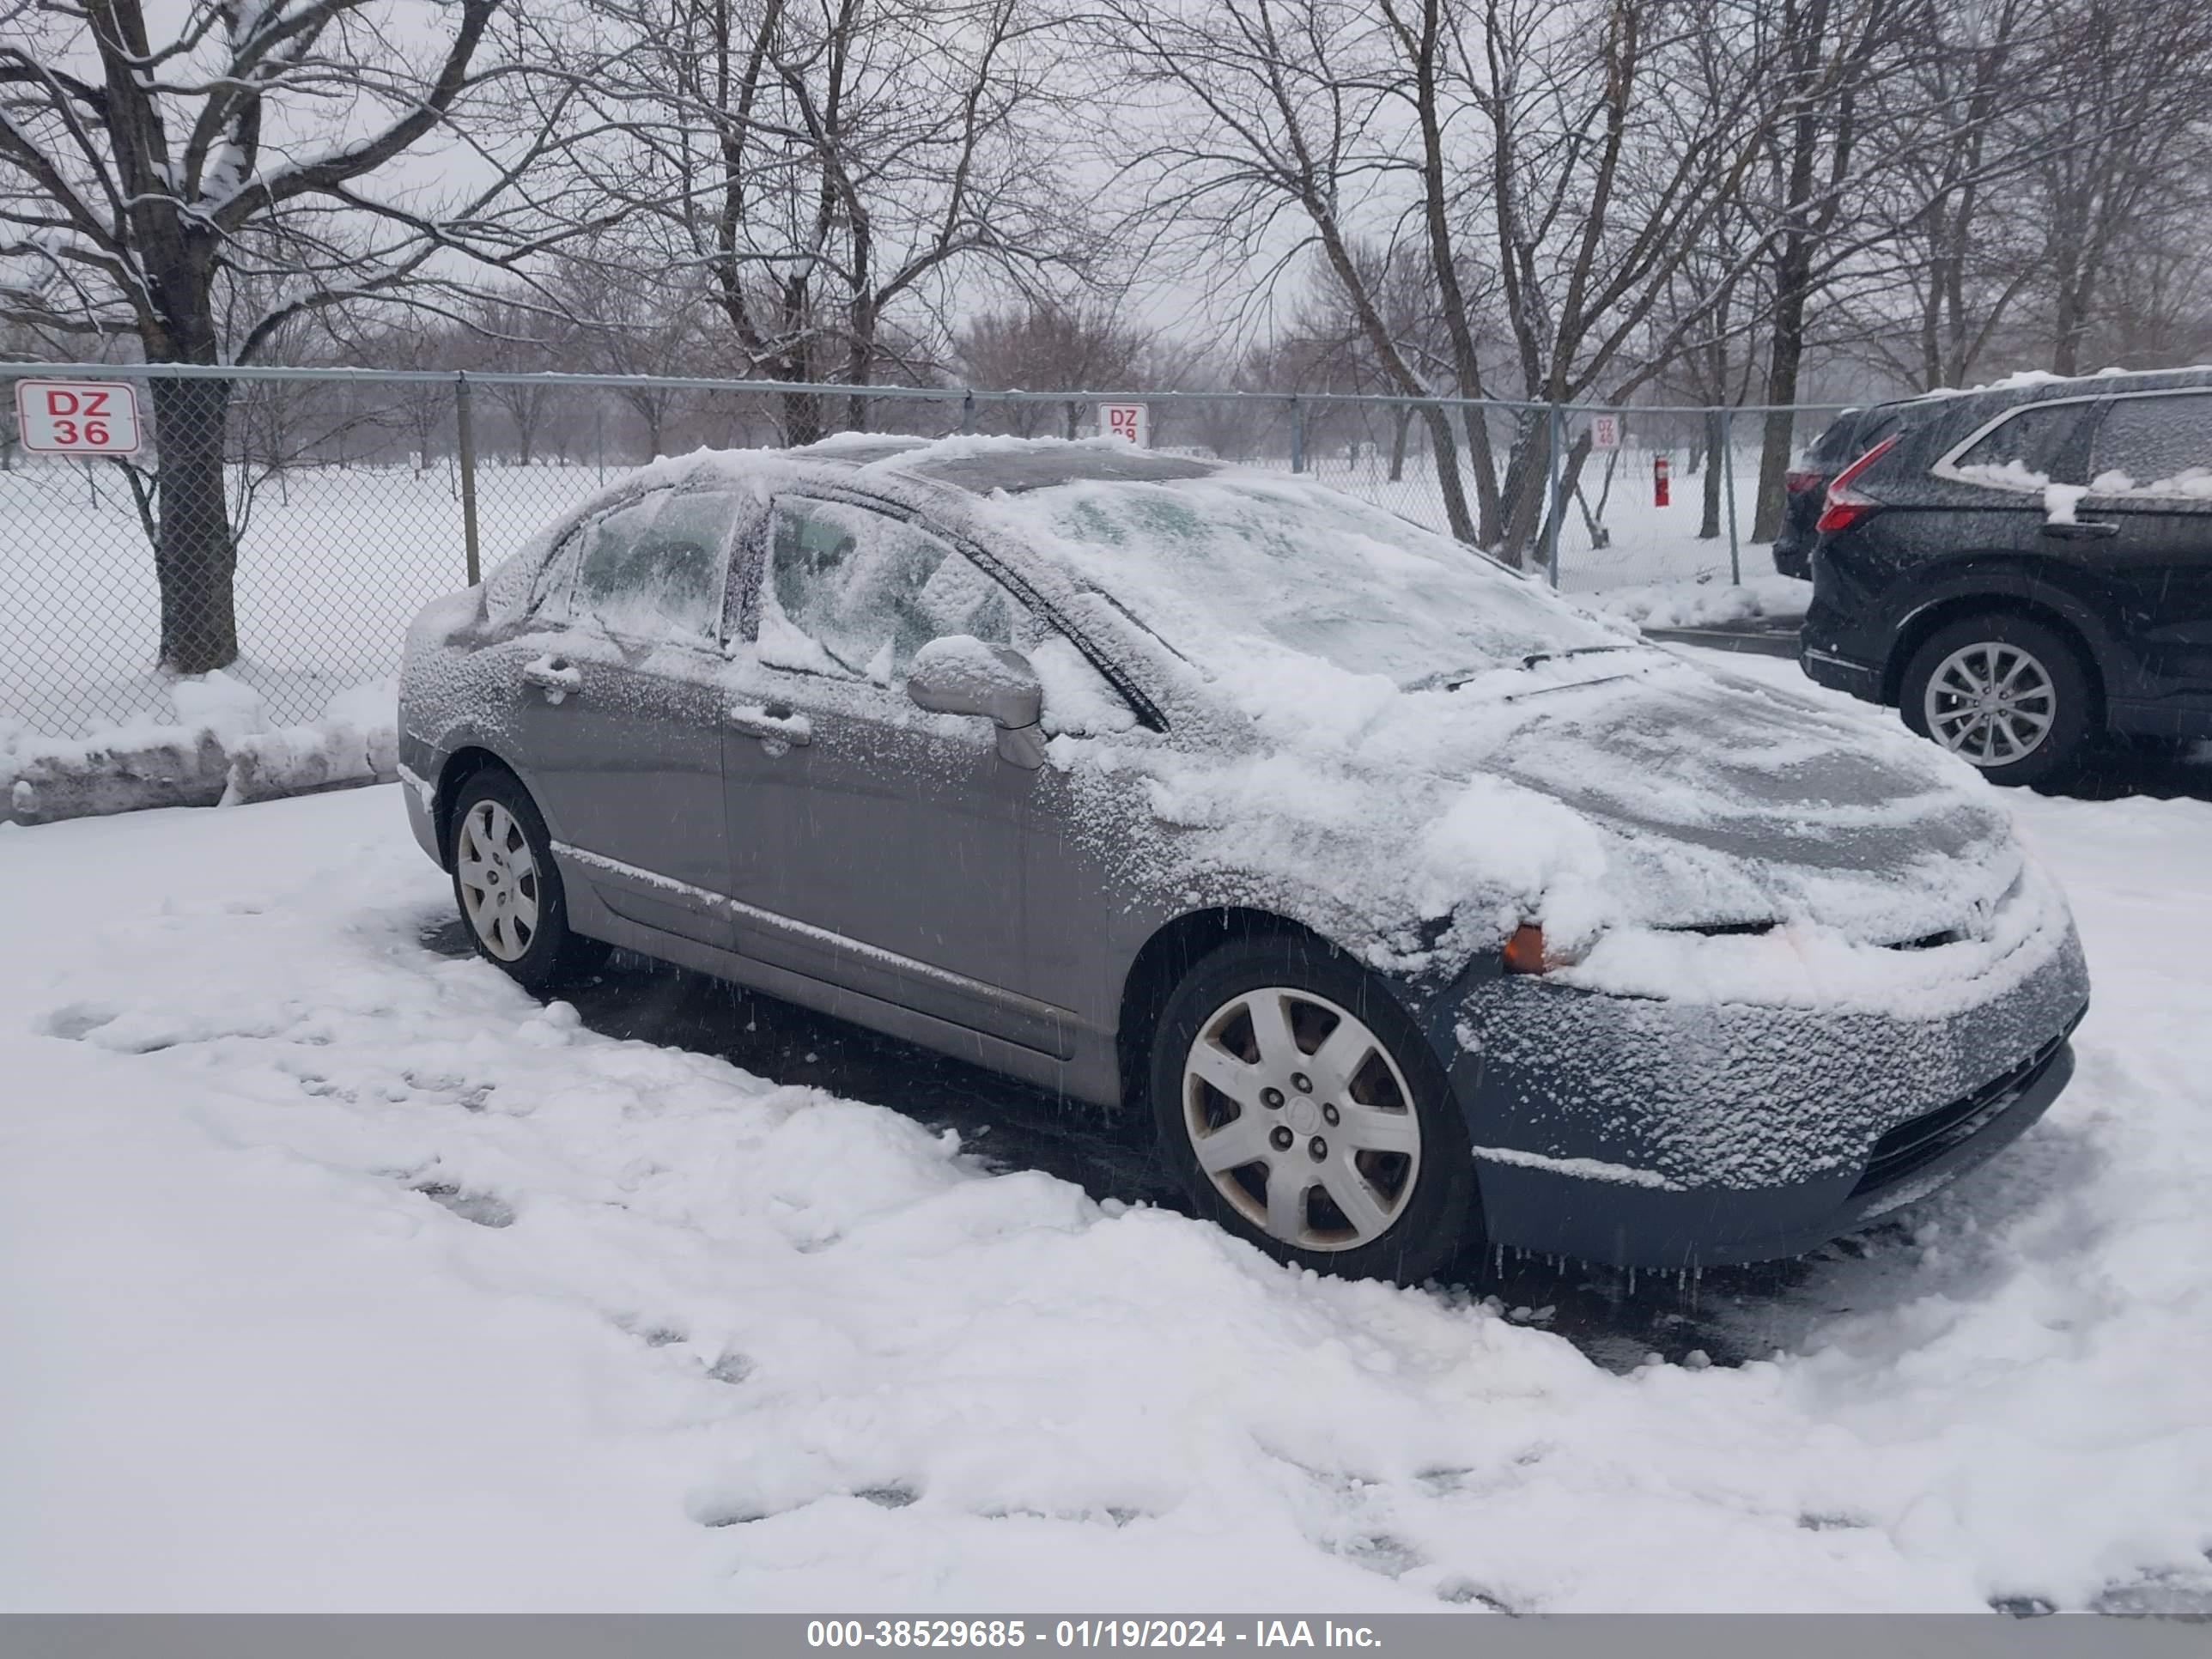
(1991, 704)
(499, 879)
(1301, 1119)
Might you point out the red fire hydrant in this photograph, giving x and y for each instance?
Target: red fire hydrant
(1658, 481)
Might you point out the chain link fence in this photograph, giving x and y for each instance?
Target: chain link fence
(283, 525)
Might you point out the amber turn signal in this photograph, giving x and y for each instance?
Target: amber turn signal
(1524, 951)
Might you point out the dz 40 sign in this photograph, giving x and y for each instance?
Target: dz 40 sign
(76, 417)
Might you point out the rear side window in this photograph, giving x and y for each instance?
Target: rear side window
(2033, 446)
(1842, 442)
(857, 592)
(655, 570)
(2154, 447)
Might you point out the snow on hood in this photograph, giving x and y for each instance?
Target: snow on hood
(1651, 798)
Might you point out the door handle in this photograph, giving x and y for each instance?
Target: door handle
(2080, 530)
(557, 677)
(774, 723)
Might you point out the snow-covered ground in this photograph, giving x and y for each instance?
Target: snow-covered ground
(336, 1273)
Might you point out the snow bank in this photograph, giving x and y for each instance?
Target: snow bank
(1703, 603)
(216, 749)
(343, 1276)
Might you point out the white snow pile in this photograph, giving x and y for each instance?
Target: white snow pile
(216, 748)
(1703, 603)
(341, 1274)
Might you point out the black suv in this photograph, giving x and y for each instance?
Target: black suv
(1805, 487)
(2022, 569)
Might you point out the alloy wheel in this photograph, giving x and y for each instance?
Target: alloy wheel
(1301, 1119)
(498, 878)
(1990, 703)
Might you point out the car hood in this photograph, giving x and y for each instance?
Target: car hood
(1628, 792)
(1725, 801)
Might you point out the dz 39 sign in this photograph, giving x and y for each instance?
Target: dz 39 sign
(77, 417)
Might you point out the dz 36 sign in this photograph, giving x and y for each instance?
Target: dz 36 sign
(77, 417)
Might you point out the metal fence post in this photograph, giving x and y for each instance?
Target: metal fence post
(1298, 436)
(1556, 441)
(1727, 489)
(465, 430)
(967, 412)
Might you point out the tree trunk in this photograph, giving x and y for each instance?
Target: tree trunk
(2073, 322)
(1400, 417)
(1527, 479)
(1489, 515)
(1445, 449)
(195, 559)
(1528, 490)
(1709, 526)
(1788, 355)
(1549, 534)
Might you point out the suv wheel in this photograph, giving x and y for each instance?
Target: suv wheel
(1304, 1111)
(508, 889)
(2004, 694)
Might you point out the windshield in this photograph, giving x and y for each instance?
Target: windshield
(1211, 565)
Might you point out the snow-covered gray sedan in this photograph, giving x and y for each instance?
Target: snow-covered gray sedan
(1416, 906)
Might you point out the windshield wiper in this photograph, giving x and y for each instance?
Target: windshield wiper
(1535, 657)
(1452, 679)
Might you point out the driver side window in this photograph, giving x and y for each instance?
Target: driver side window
(855, 593)
(656, 571)
(651, 570)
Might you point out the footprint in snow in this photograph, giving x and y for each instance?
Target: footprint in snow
(485, 1209)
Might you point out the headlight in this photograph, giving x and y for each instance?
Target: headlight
(1524, 951)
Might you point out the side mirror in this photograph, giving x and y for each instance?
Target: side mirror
(960, 674)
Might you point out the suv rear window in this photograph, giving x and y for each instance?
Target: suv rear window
(1848, 437)
(2033, 447)
(2154, 445)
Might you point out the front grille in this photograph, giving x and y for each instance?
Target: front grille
(1919, 1141)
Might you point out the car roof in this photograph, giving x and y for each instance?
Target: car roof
(857, 448)
(1015, 469)
(2036, 387)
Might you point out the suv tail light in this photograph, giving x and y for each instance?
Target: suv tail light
(1803, 483)
(1846, 506)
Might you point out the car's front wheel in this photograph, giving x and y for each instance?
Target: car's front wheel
(2004, 694)
(508, 889)
(1303, 1110)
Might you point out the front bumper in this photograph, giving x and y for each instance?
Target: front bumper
(1644, 1134)
(420, 765)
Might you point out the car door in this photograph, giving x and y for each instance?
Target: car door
(2150, 499)
(878, 846)
(621, 724)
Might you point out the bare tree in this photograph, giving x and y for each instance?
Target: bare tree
(818, 166)
(513, 333)
(1557, 163)
(1271, 122)
(2114, 134)
(1051, 345)
(650, 331)
(143, 176)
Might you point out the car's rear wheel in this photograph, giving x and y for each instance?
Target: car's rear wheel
(1303, 1110)
(2005, 694)
(508, 888)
